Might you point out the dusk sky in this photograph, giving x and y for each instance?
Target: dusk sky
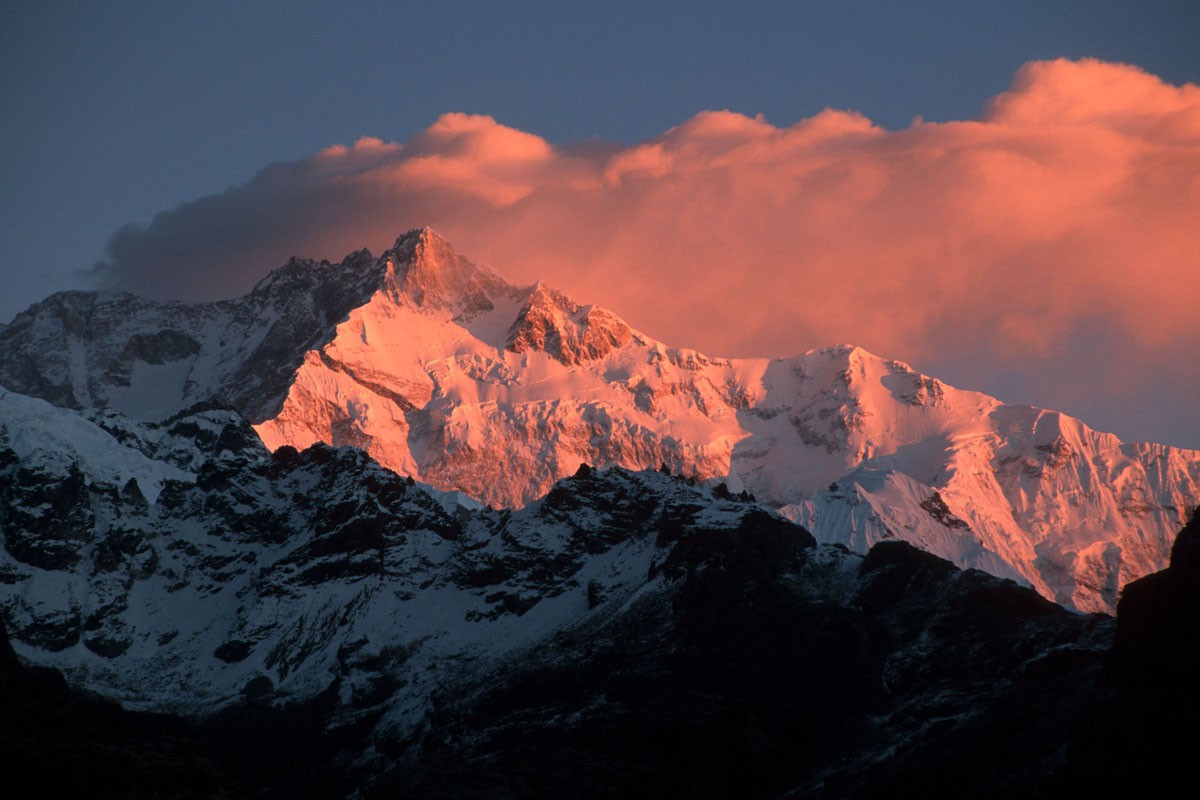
(1004, 195)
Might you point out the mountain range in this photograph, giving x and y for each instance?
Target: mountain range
(310, 624)
(396, 527)
(442, 371)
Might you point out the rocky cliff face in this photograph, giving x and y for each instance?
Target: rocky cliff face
(443, 372)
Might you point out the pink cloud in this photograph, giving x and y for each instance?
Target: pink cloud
(1059, 229)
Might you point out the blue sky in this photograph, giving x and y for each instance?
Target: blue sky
(113, 112)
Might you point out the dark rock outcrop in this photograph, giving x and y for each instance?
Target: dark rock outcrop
(1142, 738)
(58, 742)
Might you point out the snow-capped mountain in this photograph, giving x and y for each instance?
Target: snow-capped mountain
(443, 371)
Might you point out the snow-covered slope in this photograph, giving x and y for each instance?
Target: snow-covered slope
(442, 371)
(1075, 512)
(500, 398)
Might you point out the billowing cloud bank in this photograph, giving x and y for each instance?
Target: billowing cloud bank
(1048, 252)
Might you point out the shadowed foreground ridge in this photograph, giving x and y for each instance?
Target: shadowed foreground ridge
(760, 678)
(1146, 732)
(68, 744)
(763, 666)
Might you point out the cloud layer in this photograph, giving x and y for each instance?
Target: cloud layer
(1047, 252)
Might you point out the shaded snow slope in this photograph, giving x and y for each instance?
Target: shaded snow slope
(150, 360)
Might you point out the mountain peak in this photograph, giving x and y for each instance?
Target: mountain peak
(551, 322)
(426, 249)
(425, 267)
(425, 237)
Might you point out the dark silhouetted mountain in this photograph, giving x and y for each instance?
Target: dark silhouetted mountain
(325, 625)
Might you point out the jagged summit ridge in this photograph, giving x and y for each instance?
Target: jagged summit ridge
(551, 322)
(152, 359)
(443, 371)
(425, 268)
